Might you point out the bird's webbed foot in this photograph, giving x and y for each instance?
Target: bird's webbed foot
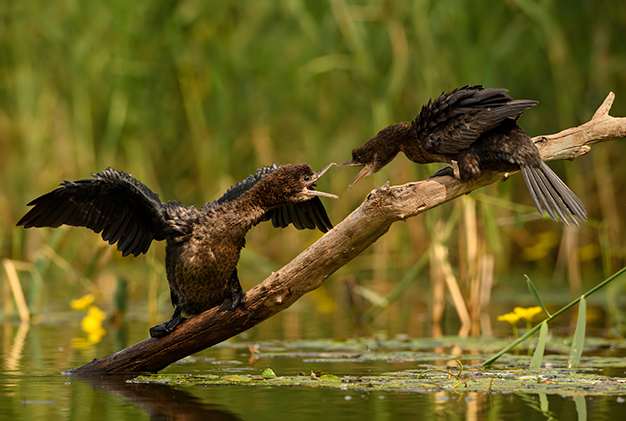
(444, 171)
(237, 295)
(453, 171)
(234, 301)
(166, 328)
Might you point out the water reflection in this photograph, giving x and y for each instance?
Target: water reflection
(32, 388)
(159, 401)
(12, 362)
(540, 404)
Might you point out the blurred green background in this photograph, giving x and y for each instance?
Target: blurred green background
(192, 96)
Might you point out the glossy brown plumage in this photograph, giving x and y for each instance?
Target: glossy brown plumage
(203, 245)
(478, 129)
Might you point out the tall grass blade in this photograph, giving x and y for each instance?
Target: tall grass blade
(535, 362)
(535, 294)
(552, 317)
(579, 335)
(492, 230)
(406, 281)
(16, 290)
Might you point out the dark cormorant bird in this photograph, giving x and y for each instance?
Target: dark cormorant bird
(478, 129)
(203, 245)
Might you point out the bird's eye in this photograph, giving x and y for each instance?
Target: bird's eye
(306, 178)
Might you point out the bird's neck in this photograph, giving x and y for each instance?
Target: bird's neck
(388, 142)
(248, 209)
(412, 148)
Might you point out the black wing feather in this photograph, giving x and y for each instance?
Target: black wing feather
(319, 215)
(295, 218)
(238, 189)
(113, 203)
(454, 121)
(304, 216)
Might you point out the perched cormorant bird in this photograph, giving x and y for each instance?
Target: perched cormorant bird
(203, 245)
(478, 129)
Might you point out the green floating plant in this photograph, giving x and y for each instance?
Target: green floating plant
(268, 373)
(580, 336)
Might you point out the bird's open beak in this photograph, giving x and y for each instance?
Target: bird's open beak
(364, 172)
(316, 176)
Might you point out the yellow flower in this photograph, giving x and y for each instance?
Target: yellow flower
(527, 313)
(509, 317)
(92, 322)
(96, 336)
(89, 324)
(96, 313)
(92, 325)
(83, 302)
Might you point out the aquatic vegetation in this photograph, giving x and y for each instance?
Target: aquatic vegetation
(579, 336)
(268, 373)
(506, 379)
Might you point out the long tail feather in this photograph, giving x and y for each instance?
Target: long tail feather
(535, 192)
(550, 193)
(554, 198)
(573, 201)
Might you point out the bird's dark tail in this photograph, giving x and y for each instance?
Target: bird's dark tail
(549, 192)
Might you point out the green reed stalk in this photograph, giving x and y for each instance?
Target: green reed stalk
(549, 319)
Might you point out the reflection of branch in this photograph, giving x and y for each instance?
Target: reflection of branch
(382, 207)
(160, 401)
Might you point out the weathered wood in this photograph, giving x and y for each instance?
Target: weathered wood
(382, 207)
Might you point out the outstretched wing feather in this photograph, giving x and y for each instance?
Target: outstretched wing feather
(112, 203)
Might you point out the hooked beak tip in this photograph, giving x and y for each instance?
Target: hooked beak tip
(321, 172)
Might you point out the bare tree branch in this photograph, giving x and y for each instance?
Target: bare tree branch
(382, 207)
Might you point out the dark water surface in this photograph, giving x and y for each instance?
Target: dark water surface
(33, 388)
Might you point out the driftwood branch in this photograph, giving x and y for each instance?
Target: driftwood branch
(382, 207)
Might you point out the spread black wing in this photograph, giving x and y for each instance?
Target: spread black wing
(305, 215)
(112, 202)
(454, 121)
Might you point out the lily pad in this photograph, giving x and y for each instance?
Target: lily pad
(555, 381)
(268, 373)
(455, 367)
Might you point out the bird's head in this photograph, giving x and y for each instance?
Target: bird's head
(366, 157)
(377, 151)
(293, 183)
